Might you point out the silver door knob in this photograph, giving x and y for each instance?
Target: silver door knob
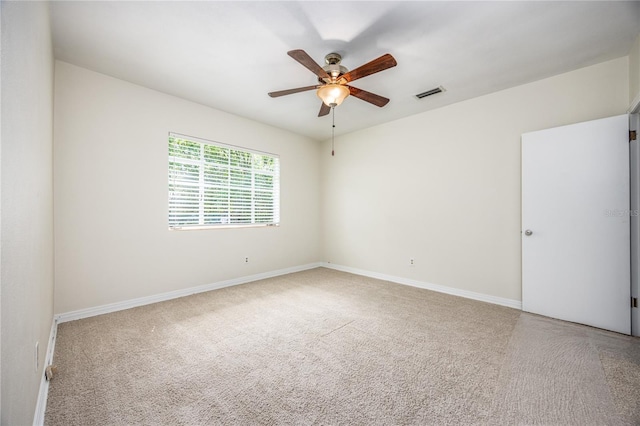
(528, 232)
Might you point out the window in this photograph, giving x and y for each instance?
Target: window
(211, 184)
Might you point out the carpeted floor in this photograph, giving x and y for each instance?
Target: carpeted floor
(326, 347)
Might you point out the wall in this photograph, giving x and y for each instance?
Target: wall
(443, 187)
(26, 205)
(634, 71)
(112, 240)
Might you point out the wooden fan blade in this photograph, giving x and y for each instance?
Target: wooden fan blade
(291, 91)
(324, 110)
(306, 60)
(372, 98)
(382, 63)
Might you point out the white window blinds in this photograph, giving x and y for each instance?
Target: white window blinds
(212, 184)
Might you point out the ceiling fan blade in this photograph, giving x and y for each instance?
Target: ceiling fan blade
(291, 91)
(324, 110)
(382, 63)
(372, 98)
(306, 60)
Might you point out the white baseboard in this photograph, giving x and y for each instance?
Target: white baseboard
(41, 405)
(516, 304)
(141, 301)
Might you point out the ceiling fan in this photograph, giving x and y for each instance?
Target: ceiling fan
(333, 79)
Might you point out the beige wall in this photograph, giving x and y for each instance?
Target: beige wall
(26, 205)
(634, 71)
(443, 187)
(112, 241)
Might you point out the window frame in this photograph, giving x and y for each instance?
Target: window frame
(234, 220)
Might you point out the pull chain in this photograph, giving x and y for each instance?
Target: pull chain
(333, 129)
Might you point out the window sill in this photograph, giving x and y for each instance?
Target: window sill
(209, 227)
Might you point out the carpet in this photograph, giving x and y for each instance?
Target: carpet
(323, 347)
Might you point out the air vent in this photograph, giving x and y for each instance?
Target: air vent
(430, 92)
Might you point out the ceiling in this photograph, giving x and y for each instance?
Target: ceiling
(229, 55)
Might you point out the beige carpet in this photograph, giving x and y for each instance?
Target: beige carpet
(326, 347)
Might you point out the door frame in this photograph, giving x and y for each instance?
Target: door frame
(634, 170)
(634, 211)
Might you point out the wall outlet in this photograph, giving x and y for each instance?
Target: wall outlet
(36, 357)
(246, 260)
(412, 262)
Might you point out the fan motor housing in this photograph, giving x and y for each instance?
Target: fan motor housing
(333, 67)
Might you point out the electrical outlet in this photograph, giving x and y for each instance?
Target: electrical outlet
(246, 260)
(37, 356)
(412, 262)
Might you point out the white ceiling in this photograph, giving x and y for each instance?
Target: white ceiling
(229, 55)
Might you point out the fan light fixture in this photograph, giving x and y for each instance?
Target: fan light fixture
(333, 94)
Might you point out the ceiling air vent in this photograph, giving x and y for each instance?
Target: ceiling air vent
(430, 92)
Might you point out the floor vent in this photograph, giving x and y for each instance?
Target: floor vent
(430, 92)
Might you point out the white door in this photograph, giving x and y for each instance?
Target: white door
(575, 223)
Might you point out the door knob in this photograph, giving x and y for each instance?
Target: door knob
(528, 232)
